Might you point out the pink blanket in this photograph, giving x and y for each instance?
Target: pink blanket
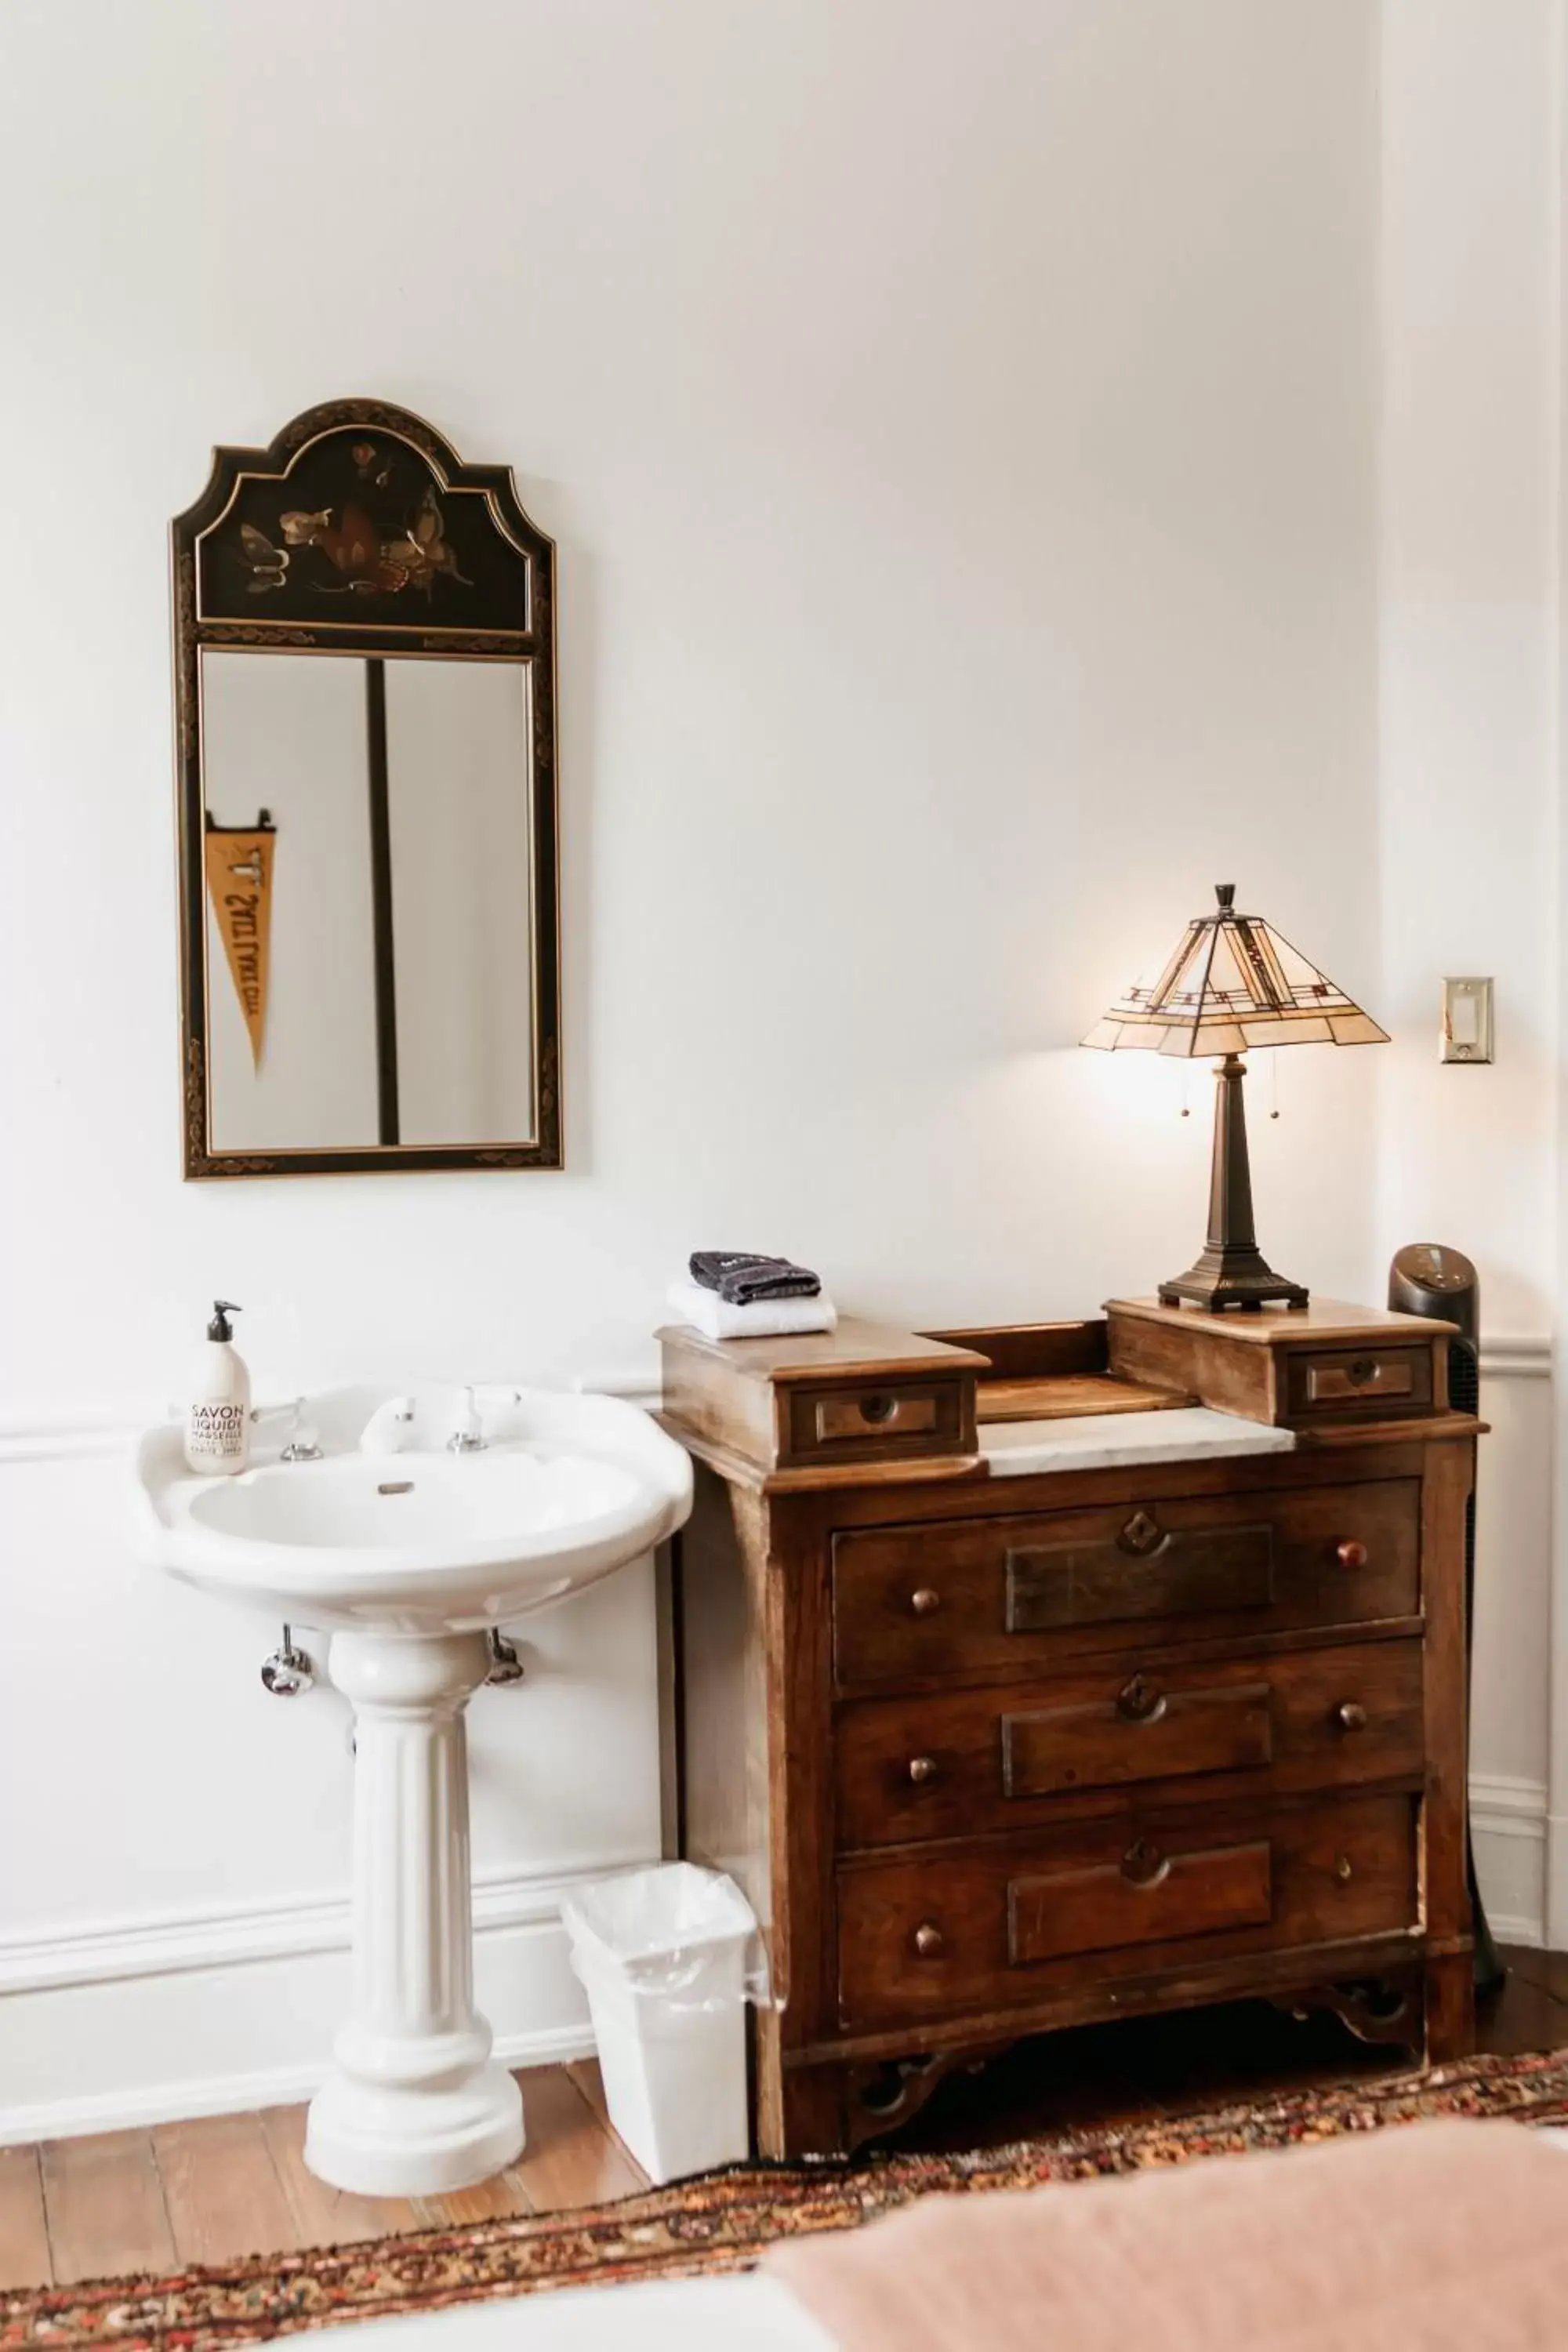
(1440, 2237)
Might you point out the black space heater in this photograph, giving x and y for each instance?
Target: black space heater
(1429, 1278)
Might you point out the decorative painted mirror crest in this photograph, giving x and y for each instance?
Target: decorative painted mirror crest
(365, 720)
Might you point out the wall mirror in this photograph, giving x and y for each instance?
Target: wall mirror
(365, 723)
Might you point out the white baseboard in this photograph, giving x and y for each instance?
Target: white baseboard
(174, 2101)
(1508, 1824)
(123, 2024)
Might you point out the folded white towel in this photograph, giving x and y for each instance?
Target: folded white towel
(769, 1318)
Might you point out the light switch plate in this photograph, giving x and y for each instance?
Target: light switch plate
(1467, 1021)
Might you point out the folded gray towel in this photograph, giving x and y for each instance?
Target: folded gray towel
(741, 1278)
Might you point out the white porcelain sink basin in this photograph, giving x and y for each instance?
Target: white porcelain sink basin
(565, 1490)
(408, 1557)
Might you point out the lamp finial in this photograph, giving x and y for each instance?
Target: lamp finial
(1226, 893)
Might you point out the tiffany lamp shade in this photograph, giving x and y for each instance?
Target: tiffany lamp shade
(1233, 982)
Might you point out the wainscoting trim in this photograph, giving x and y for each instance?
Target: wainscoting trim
(63, 1439)
(69, 1434)
(1528, 1359)
(1508, 1823)
(234, 1936)
(101, 2016)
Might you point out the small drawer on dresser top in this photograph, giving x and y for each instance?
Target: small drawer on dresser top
(1358, 1383)
(953, 1764)
(880, 1422)
(917, 1603)
(1001, 1926)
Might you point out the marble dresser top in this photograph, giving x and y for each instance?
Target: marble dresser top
(1116, 1441)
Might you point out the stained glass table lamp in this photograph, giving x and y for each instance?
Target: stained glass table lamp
(1232, 983)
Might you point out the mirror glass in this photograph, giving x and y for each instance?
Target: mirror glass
(399, 995)
(364, 709)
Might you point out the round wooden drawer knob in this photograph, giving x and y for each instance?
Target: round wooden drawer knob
(1139, 1701)
(1143, 1865)
(922, 1768)
(928, 1941)
(1351, 1554)
(1350, 1715)
(924, 1600)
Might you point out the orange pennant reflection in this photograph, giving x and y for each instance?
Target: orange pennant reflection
(239, 879)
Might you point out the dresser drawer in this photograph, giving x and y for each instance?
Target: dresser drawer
(1358, 1383)
(924, 1601)
(881, 1422)
(1002, 1927)
(957, 1763)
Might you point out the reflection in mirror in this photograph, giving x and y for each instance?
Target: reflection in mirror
(398, 974)
(364, 706)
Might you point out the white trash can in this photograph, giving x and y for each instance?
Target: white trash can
(663, 1956)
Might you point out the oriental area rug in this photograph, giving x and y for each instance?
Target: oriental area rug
(721, 2222)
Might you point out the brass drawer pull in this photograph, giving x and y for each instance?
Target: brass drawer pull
(1344, 1868)
(1143, 1865)
(1351, 1554)
(1141, 1534)
(1350, 1715)
(929, 1940)
(1139, 1700)
(925, 1600)
(922, 1768)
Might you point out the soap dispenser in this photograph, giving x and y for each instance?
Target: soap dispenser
(217, 1419)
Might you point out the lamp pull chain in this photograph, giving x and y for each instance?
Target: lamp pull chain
(1274, 1084)
(1186, 1090)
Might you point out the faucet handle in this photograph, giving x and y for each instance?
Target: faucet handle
(302, 1445)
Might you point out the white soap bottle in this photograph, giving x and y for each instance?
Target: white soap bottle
(217, 1419)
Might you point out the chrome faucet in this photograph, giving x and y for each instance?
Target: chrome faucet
(468, 1436)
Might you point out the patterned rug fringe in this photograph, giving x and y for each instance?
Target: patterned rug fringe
(721, 2221)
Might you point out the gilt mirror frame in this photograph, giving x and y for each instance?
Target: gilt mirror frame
(509, 615)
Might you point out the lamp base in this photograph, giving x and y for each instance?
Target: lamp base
(1241, 1279)
(1233, 1270)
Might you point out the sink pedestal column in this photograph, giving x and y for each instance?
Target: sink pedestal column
(415, 2104)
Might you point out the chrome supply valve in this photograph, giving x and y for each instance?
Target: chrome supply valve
(506, 1666)
(290, 1670)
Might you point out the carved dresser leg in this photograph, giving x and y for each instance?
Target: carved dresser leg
(1450, 2008)
(1387, 2010)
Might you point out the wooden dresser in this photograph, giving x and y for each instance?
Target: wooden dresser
(994, 1754)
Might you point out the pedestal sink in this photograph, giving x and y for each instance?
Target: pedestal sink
(408, 1558)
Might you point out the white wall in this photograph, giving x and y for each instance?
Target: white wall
(1468, 786)
(960, 446)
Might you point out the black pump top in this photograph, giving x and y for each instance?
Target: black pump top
(220, 1326)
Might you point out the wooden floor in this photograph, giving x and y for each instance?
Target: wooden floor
(229, 2185)
(210, 2190)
